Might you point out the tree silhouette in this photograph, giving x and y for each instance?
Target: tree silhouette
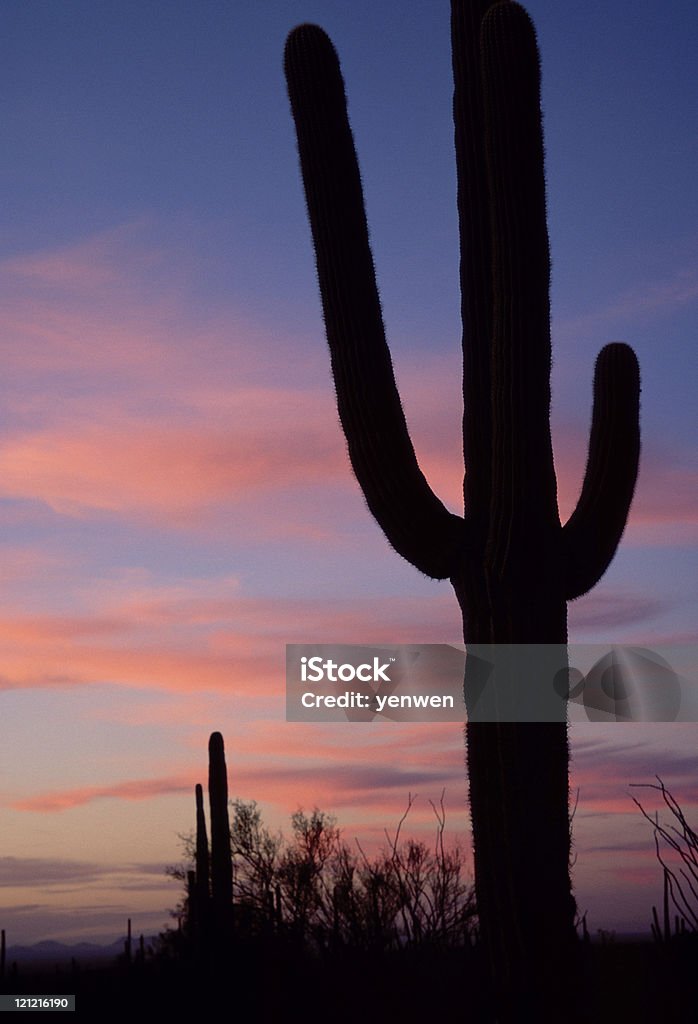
(681, 875)
(314, 893)
(511, 562)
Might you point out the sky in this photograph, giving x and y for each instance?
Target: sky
(176, 503)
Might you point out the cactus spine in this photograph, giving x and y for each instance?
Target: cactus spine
(513, 565)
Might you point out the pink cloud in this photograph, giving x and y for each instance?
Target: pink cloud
(430, 743)
(164, 474)
(609, 774)
(199, 635)
(362, 767)
(191, 467)
(175, 420)
(308, 765)
(140, 789)
(366, 804)
(208, 634)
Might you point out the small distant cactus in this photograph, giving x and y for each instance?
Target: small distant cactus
(512, 563)
(210, 884)
(128, 944)
(221, 857)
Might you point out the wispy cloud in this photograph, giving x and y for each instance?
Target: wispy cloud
(607, 770)
(664, 294)
(42, 871)
(614, 609)
(208, 634)
(138, 789)
(169, 475)
(57, 874)
(121, 403)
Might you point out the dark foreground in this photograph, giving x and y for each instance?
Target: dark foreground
(618, 982)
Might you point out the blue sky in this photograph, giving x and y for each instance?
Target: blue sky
(175, 501)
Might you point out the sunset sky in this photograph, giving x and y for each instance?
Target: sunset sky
(175, 499)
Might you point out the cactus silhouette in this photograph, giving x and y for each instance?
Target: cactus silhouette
(198, 881)
(202, 853)
(221, 856)
(210, 885)
(512, 563)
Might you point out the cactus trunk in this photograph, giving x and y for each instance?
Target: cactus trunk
(202, 886)
(512, 563)
(221, 857)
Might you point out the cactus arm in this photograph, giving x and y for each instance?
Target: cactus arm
(413, 519)
(202, 855)
(591, 535)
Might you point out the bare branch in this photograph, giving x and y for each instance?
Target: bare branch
(680, 878)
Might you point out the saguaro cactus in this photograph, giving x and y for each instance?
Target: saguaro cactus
(202, 854)
(511, 562)
(221, 858)
(198, 881)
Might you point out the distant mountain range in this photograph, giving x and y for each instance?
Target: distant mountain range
(49, 952)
